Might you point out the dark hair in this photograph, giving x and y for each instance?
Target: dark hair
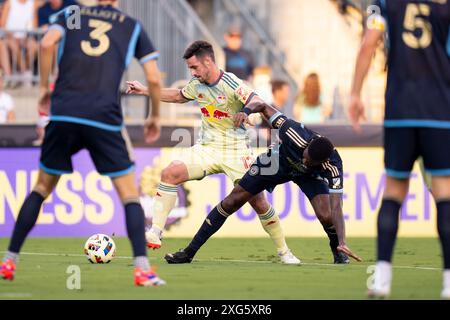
(320, 149)
(199, 49)
(278, 85)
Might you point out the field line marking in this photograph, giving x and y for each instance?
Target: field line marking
(229, 260)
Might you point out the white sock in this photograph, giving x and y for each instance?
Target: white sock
(142, 263)
(383, 274)
(11, 256)
(156, 230)
(447, 279)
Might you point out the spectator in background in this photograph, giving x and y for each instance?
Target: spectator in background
(5, 64)
(238, 60)
(18, 17)
(51, 7)
(280, 93)
(6, 105)
(309, 107)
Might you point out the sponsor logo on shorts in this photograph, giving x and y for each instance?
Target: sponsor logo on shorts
(336, 183)
(254, 170)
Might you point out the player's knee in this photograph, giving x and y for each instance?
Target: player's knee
(175, 173)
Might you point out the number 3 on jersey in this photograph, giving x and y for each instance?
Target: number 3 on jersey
(414, 19)
(98, 34)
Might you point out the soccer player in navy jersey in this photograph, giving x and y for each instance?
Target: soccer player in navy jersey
(417, 117)
(86, 114)
(303, 157)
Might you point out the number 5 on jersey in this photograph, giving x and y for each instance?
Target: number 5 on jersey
(99, 34)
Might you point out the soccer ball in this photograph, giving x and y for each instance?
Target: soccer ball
(100, 248)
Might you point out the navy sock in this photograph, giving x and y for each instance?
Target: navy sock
(26, 220)
(135, 220)
(443, 216)
(213, 222)
(387, 228)
(332, 235)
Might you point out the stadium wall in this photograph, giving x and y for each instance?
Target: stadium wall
(85, 203)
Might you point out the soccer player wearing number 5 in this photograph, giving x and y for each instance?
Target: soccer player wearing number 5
(86, 114)
(222, 147)
(417, 117)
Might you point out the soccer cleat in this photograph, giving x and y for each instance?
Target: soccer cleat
(178, 257)
(7, 269)
(288, 258)
(153, 240)
(379, 293)
(445, 295)
(382, 278)
(147, 278)
(339, 257)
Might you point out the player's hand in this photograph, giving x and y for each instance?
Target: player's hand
(135, 87)
(356, 112)
(44, 100)
(240, 118)
(152, 130)
(343, 248)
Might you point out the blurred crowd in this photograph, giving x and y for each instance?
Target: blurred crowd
(22, 22)
(308, 103)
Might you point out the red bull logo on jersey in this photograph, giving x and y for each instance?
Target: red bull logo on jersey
(221, 115)
(212, 112)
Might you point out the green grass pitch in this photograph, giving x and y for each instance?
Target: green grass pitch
(223, 269)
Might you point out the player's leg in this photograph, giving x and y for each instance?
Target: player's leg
(441, 192)
(135, 223)
(401, 151)
(250, 185)
(317, 191)
(112, 156)
(272, 226)
(437, 164)
(191, 167)
(235, 164)
(166, 196)
(59, 143)
(28, 215)
(213, 222)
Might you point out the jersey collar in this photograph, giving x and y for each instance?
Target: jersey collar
(215, 83)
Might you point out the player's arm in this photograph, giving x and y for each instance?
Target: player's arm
(338, 216)
(147, 55)
(152, 127)
(169, 95)
(338, 220)
(47, 49)
(255, 105)
(363, 61)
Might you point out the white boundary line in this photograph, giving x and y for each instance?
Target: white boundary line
(235, 261)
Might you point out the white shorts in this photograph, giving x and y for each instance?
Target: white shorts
(204, 160)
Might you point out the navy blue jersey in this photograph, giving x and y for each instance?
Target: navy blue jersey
(418, 86)
(92, 60)
(295, 138)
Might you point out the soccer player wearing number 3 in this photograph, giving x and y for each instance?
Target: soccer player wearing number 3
(417, 117)
(86, 114)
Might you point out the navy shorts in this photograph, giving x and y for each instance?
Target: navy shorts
(110, 150)
(404, 145)
(259, 178)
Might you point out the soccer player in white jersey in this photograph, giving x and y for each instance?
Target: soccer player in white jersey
(222, 148)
